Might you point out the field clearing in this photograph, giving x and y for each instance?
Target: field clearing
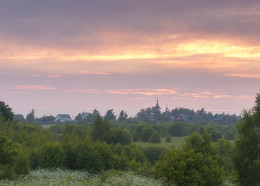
(176, 142)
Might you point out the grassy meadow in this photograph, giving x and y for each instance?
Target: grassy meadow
(57, 177)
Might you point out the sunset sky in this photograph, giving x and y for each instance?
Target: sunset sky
(64, 56)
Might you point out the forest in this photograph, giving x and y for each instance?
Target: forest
(145, 150)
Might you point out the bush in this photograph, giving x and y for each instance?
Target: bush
(52, 155)
(155, 138)
(153, 153)
(177, 129)
(188, 168)
(168, 139)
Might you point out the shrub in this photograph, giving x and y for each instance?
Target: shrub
(52, 155)
(168, 139)
(155, 138)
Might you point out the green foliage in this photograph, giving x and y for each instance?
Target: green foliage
(152, 154)
(146, 132)
(122, 116)
(201, 144)
(22, 163)
(188, 168)
(247, 147)
(231, 133)
(168, 139)
(52, 155)
(110, 115)
(30, 117)
(225, 151)
(120, 136)
(88, 158)
(154, 138)
(215, 135)
(100, 130)
(46, 119)
(6, 111)
(7, 157)
(176, 129)
(197, 162)
(13, 160)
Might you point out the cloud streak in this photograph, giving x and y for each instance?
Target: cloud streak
(27, 87)
(146, 92)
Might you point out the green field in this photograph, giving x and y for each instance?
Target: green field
(175, 142)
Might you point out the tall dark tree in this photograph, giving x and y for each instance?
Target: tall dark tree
(122, 116)
(110, 115)
(101, 129)
(247, 148)
(30, 117)
(6, 111)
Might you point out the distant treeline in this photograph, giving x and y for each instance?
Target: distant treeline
(151, 115)
(106, 143)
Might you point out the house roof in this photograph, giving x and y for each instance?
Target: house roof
(184, 117)
(18, 116)
(64, 116)
(218, 118)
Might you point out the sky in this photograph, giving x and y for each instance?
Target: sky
(67, 56)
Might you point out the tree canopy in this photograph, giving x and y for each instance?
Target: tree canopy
(247, 148)
(6, 111)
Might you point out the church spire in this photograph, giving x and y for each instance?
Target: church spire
(157, 107)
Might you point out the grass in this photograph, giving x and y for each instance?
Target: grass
(176, 142)
(43, 177)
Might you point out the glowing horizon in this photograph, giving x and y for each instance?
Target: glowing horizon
(94, 55)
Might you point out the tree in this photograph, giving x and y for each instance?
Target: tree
(30, 117)
(46, 119)
(110, 115)
(122, 116)
(182, 167)
(101, 129)
(247, 147)
(153, 153)
(52, 155)
(168, 139)
(176, 129)
(7, 157)
(147, 131)
(123, 137)
(6, 111)
(154, 138)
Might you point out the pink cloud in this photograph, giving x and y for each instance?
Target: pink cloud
(97, 73)
(54, 76)
(220, 96)
(34, 75)
(253, 76)
(141, 98)
(33, 87)
(147, 92)
(15, 92)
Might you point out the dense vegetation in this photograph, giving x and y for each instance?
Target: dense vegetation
(105, 145)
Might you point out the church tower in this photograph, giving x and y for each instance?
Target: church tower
(157, 107)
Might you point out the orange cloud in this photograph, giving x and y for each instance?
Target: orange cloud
(253, 76)
(168, 51)
(147, 92)
(220, 96)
